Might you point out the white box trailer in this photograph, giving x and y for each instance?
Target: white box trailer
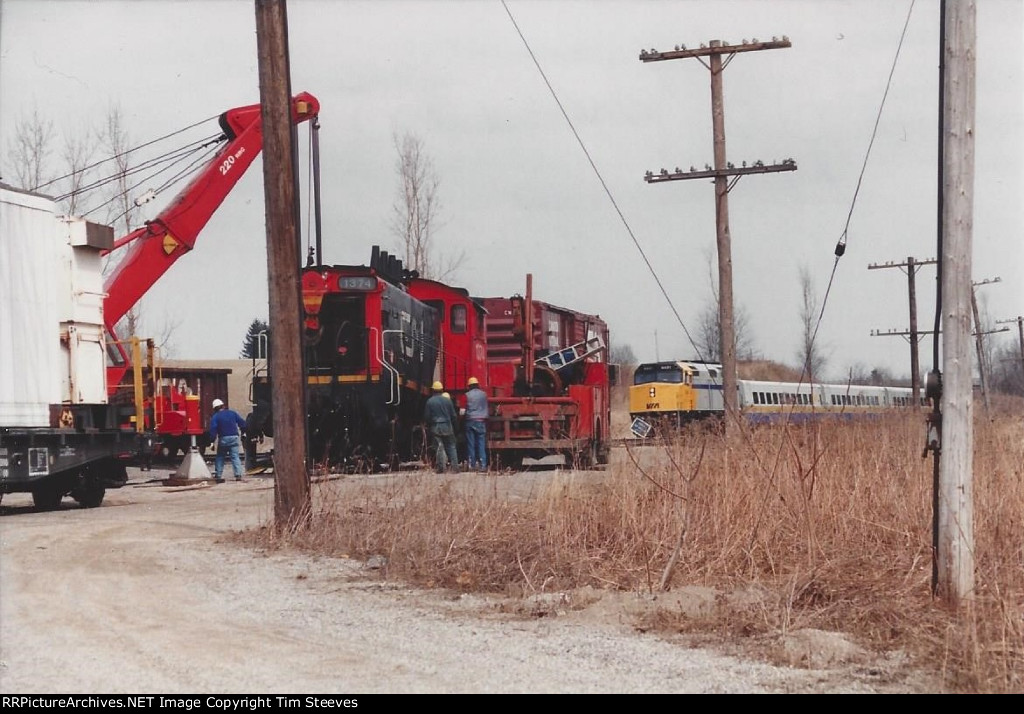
(29, 335)
(58, 434)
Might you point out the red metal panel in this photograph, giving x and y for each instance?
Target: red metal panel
(462, 339)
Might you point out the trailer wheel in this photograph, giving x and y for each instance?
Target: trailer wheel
(89, 495)
(47, 498)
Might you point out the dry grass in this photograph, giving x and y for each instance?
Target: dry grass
(831, 524)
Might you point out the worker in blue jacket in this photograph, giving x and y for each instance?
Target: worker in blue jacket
(476, 425)
(226, 427)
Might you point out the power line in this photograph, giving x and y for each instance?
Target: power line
(600, 178)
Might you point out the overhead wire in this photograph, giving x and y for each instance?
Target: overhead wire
(840, 249)
(600, 178)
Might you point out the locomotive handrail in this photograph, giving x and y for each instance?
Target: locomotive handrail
(396, 395)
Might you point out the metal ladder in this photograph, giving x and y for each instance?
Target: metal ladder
(571, 355)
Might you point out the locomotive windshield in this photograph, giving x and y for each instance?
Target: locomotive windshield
(658, 372)
(341, 343)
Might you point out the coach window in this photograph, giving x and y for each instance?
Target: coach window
(775, 397)
(458, 321)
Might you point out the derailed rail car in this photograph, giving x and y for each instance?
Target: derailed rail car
(377, 336)
(548, 381)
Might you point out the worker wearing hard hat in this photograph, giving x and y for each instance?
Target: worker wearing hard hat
(226, 428)
(476, 426)
(441, 417)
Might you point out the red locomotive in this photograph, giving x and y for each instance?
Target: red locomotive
(377, 336)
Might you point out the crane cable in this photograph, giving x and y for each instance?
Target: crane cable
(124, 153)
(165, 157)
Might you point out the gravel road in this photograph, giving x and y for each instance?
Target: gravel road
(147, 595)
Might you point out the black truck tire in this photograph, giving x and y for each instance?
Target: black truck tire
(48, 497)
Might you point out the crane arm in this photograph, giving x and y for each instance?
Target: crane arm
(156, 246)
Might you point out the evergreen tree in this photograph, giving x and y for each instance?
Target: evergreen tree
(254, 345)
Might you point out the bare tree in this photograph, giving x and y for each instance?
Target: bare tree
(859, 373)
(416, 211)
(811, 355)
(117, 143)
(28, 158)
(121, 212)
(1008, 370)
(622, 354)
(124, 216)
(29, 149)
(77, 153)
(709, 323)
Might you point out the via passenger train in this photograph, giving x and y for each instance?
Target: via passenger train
(675, 393)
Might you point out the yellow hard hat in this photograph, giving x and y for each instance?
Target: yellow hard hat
(438, 387)
(447, 396)
(472, 381)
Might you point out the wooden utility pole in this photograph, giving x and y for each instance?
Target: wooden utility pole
(979, 339)
(287, 373)
(721, 173)
(915, 366)
(955, 566)
(1020, 331)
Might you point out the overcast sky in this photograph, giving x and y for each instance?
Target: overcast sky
(519, 195)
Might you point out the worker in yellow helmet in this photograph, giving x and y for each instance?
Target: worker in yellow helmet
(476, 425)
(440, 417)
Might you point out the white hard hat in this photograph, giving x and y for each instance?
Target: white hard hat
(217, 403)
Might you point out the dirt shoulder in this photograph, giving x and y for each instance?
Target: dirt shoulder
(149, 594)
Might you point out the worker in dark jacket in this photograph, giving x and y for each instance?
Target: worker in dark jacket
(476, 426)
(226, 428)
(440, 417)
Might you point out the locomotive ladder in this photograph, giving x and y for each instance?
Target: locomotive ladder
(571, 355)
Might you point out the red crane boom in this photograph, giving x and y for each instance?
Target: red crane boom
(156, 246)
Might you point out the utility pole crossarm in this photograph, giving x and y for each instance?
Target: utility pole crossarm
(911, 264)
(908, 264)
(901, 333)
(758, 167)
(681, 52)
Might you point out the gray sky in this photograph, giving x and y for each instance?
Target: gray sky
(518, 193)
